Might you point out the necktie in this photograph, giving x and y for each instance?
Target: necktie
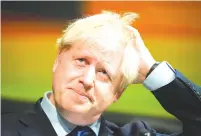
(82, 131)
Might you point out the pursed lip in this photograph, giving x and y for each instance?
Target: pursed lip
(83, 94)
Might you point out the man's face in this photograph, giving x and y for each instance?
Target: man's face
(86, 80)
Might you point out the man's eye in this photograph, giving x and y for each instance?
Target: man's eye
(104, 72)
(81, 61)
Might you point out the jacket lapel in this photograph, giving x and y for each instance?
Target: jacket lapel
(45, 127)
(104, 130)
(37, 123)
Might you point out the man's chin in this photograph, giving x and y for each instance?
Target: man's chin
(81, 109)
(77, 108)
(81, 118)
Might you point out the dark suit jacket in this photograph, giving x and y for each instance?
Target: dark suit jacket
(181, 98)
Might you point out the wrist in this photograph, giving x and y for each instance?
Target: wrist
(144, 70)
(152, 68)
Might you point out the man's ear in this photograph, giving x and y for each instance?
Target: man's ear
(118, 95)
(56, 62)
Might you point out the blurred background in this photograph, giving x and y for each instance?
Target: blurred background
(171, 31)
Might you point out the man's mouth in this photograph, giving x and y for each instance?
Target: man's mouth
(82, 93)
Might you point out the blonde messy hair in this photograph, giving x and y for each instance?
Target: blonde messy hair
(112, 29)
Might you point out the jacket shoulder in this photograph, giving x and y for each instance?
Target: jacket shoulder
(131, 128)
(12, 123)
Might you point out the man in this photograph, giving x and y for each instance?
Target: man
(99, 56)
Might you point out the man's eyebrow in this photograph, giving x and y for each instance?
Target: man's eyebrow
(86, 54)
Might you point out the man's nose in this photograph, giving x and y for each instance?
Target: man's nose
(89, 77)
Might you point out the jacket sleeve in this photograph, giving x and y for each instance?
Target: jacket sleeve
(182, 98)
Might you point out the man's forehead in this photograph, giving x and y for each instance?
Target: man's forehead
(102, 55)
